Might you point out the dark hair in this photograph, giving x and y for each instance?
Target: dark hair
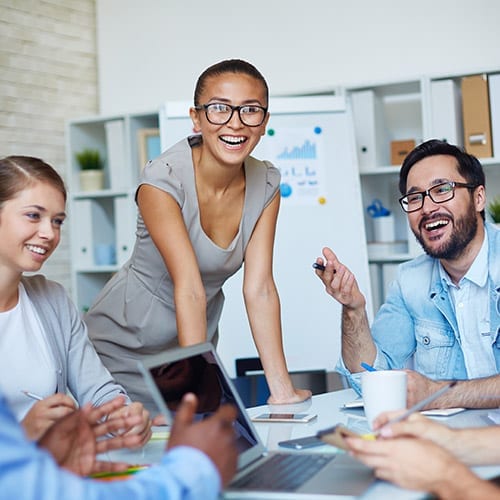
(19, 172)
(468, 166)
(228, 66)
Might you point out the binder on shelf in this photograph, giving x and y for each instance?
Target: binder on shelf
(95, 227)
(369, 129)
(118, 170)
(125, 215)
(494, 91)
(476, 116)
(83, 236)
(446, 112)
(376, 287)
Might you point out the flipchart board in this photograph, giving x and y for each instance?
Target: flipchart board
(310, 139)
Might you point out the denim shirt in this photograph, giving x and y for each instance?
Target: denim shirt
(417, 323)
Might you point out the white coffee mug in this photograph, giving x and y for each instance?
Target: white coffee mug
(383, 390)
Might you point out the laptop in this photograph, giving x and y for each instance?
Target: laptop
(198, 369)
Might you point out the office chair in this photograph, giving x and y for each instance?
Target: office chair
(252, 385)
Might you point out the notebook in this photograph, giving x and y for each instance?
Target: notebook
(198, 369)
(434, 412)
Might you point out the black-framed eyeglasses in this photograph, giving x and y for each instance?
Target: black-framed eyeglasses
(219, 113)
(445, 191)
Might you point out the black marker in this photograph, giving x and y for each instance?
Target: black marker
(320, 267)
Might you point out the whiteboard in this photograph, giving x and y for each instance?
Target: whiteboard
(310, 139)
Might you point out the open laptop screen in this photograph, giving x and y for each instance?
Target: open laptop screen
(201, 375)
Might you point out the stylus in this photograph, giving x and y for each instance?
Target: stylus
(32, 395)
(367, 367)
(419, 406)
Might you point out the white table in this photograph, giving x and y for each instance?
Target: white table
(328, 407)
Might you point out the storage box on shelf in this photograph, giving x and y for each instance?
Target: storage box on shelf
(102, 229)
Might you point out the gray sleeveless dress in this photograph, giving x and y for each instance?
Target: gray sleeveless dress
(133, 316)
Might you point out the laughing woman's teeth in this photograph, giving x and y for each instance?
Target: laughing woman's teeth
(35, 249)
(233, 140)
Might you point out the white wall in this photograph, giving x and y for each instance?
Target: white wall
(153, 50)
(48, 74)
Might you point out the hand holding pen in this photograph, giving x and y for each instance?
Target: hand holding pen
(339, 281)
(32, 395)
(45, 411)
(75, 440)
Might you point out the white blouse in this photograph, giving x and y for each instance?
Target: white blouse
(25, 360)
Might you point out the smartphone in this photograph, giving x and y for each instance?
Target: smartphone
(356, 403)
(302, 443)
(284, 417)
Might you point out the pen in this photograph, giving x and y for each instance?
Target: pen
(418, 406)
(127, 472)
(32, 395)
(367, 367)
(160, 435)
(321, 267)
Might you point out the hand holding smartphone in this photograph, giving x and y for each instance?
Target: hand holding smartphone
(284, 417)
(336, 435)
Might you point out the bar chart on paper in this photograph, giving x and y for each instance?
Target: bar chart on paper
(299, 155)
(305, 152)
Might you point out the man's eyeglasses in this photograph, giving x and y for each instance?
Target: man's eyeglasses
(438, 194)
(218, 113)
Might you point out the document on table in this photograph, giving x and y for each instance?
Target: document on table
(435, 412)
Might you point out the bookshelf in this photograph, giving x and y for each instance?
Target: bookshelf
(102, 223)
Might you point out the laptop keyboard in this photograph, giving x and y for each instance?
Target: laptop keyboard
(283, 472)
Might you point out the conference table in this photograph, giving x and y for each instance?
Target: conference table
(329, 408)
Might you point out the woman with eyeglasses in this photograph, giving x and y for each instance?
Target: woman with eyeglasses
(205, 207)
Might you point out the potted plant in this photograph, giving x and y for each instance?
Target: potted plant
(91, 169)
(494, 210)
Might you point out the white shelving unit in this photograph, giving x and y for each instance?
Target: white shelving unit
(418, 109)
(106, 217)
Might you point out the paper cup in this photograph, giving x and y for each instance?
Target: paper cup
(383, 390)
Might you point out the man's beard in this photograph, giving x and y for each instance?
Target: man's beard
(463, 233)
